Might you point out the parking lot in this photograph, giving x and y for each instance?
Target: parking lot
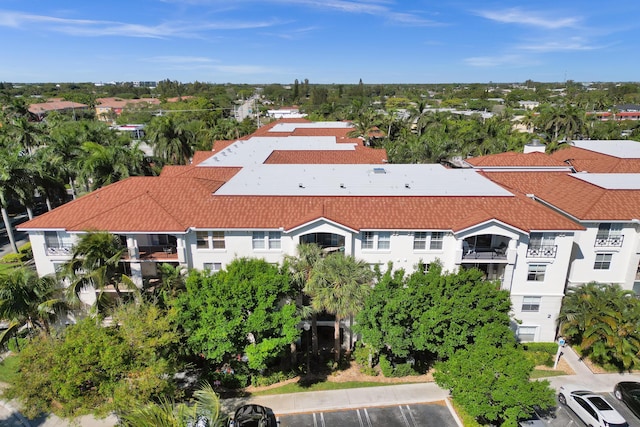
(414, 415)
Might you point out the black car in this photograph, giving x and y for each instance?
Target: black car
(629, 393)
(251, 416)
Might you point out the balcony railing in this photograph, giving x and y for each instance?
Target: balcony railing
(485, 254)
(542, 251)
(156, 252)
(609, 241)
(59, 250)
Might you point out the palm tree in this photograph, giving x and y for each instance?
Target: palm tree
(16, 183)
(309, 255)
(171, 141)
(206, 405)
(603, 319)
(26, 299)
(339, 285)
(95, 262)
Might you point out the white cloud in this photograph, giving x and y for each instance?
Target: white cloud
(498, 61)
(531, 18)
(572, 44)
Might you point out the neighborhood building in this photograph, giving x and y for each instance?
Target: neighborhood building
(530, 221)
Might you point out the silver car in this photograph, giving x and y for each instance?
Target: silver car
(591, 408)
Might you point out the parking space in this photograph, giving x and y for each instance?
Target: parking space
(415, 415)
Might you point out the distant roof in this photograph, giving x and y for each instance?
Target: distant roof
(584, 160)
(622, 149)
(612, 181)
(54, 105)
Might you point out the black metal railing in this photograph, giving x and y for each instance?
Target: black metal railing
(609, 241)
(542, 251)
(59, 250)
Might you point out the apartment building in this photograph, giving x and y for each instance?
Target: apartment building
(296, 181)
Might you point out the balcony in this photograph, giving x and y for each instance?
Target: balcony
(542, 251)
(58, 250)
(480, 253)
(608, 241)
(153, 253)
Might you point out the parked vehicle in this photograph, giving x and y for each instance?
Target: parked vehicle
(251, 416)
(591, 408)
(628, 392)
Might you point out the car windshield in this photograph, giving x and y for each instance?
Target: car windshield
(600, 403)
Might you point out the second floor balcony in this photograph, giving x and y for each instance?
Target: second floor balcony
(153, 253)
(542, 251)
(609, 241)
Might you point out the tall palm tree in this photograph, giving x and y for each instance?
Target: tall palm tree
(27, 299)
(16, 184)
(95, 262)
(339, 285)
(170, 139)
(309, 255)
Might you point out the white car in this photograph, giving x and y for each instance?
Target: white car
(591, 408)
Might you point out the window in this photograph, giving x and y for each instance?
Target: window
(531, 304)
(542, 239)
(527, 333)
(212, 266)
(274, 239)
(258, 240)
(603, 262)
(267, 240)
(436, 240)
(536, 272)
(419, 240)
(202, 239)
(384, 240)
(367, 240)
(376, 240)
(218, 240)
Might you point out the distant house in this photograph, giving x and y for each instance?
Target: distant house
(40, 110)
(286, 113)
(529, 105)
(107, 107)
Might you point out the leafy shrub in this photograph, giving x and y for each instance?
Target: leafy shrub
(403, 370)
(385, 366)
(13, 258)
(26, 251)
(365, 359)
(273, 378)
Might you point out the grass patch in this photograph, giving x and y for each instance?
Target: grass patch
(320, 386)
(8, 369)
(544, 373)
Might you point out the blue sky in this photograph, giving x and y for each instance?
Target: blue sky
(325, 41)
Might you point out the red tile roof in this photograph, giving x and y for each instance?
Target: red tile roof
(175, 203)
(516, 160)
(362, 155)
(572, 195)
(54, 105)
(590, 161)
(121, 103)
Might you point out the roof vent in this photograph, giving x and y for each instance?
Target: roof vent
(407, 185)
(342, 186)
(300, 185)
(379, 170)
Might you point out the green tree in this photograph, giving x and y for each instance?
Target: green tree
(245, 309)
(490, 380)
(339, 285)
(93, 368)
(26, 299)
